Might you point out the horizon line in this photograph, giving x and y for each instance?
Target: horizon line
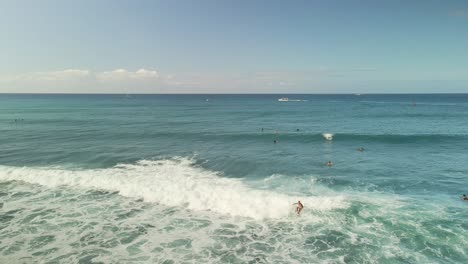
(357, 93)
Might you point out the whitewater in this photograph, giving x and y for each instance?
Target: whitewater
(174, 183)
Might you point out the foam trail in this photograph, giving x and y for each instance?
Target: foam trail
(174, 182)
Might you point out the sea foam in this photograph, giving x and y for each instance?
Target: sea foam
(175, 182)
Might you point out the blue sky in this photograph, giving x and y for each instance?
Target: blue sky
(234, 46)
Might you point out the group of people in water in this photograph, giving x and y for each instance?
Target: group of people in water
(299, 205)
(329, 163)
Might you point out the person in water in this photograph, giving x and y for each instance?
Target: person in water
(329, 163)
(464, 197)
(299, 207)
(360, 149)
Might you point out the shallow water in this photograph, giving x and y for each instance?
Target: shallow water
(179, 179)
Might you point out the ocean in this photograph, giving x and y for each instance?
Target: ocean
(200, 179)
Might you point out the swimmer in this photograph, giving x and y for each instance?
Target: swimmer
(297, 130)
(274, 141)
(360, 149)
(299, 207)
(262, 129)
(464, 197)
(329, 163)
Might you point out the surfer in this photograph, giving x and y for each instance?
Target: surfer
(464, 197)
(299, 207)
(360, 149)
(329, 163)
(274, 141)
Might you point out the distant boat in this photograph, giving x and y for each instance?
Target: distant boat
(285, 99)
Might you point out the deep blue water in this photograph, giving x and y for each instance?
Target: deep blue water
(205, 159)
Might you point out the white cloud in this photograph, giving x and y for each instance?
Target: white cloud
(64, 75)
(124, 75)
(76, 74)
(83, 81)
(151, 81)
(144, 74)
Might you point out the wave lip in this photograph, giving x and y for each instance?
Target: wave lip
(174, 182)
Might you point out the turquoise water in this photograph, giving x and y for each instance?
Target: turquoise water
(193, 178)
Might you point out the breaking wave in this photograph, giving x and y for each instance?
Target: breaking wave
(175, 182)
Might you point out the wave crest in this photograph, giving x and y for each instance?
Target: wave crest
(174, 182)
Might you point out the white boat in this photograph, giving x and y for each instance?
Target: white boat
(285, 99)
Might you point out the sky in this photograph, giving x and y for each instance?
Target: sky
(242, 46)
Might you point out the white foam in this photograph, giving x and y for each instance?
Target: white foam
(175, 182)
(327, 136)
